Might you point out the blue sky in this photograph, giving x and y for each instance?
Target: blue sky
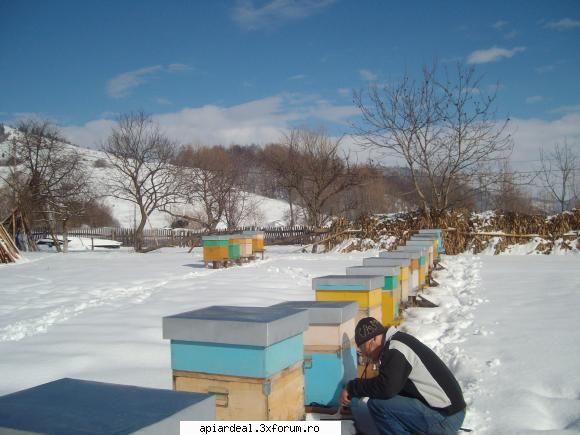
(245, 71)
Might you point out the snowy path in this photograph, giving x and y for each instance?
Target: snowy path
(506, 329)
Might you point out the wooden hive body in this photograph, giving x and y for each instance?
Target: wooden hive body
(277, 397)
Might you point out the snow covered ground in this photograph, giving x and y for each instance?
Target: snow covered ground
(506, 325)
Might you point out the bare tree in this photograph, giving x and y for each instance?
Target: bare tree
(444, 129)
(141, 156)
(72, 197)
(557, 171)
(212, 184)
(275, 158)
(46, 175)
(309, 163)
(3, 134)
(510, 195)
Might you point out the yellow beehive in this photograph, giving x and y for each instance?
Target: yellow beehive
(215, 248)
(366, 291)
(257, 240)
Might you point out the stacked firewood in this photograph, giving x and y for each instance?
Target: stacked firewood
(8, 251)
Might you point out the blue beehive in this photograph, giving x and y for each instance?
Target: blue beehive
(329, 349)
(250, 357)
(72, 407)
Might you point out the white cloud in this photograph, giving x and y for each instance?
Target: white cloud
(531, 134)
(563, 24)
(367, 75)
(344, 92)
(534, 99)
(297, 77)
(499, 24)
(252, 17)
(566, 109)
(121, 85)
(90, 135)
(493, 54)
(260, 121)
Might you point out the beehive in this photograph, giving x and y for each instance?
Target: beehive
(391, 290)
(366, 291)
(72, 406)
(257, 240)
(249, 357)
(233, 248)
(215, 249)
(434, 232)
(429, 238)
(246, 246)
(429, 245)
(414, 258)
(405, 271)
(423, 261)
(329, 349)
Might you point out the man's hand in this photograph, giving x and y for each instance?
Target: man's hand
(344, 399)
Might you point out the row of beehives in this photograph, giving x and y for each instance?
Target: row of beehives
(239, 363)
(225, 249)
(268, 363)
(383, 285)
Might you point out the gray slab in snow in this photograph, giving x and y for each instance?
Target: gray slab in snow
(325, 312)
(375, 270)
(367, 282)
(75, 407)
(379, 261)
(399, 254)
(249, 326)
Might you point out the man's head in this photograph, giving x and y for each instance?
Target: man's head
(368, 335)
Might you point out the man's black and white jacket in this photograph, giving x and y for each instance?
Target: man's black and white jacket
(409, 368)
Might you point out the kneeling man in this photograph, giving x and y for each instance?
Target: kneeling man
(414, 391)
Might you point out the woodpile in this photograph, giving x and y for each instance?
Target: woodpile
(8, 251)
(464, 230)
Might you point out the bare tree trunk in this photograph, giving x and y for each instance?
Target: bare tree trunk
(139, 230)
(65, 235)
(291, 203)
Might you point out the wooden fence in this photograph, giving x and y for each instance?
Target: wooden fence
(181, 237)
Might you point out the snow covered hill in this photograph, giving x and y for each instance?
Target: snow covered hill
(268, 212)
